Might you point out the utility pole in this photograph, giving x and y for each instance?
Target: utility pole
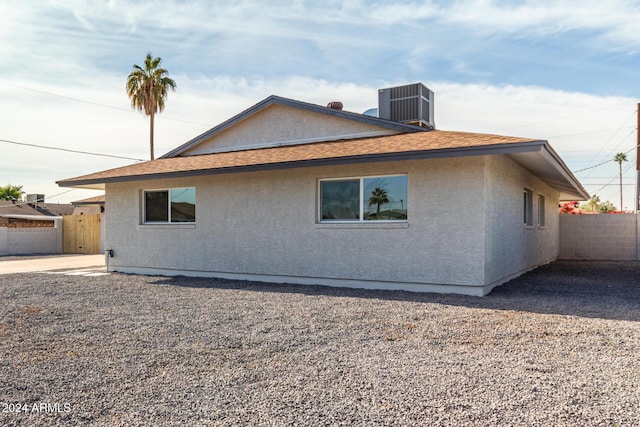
(637, 203)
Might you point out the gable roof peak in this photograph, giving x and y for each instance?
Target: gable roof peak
(306, 106)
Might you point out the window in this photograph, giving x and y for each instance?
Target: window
(541, 218)
(380, 198)
(528, 207)
(170, 206)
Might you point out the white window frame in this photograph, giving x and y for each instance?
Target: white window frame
(361, 219)
(528, 207)
(542, 217)
(168, 222)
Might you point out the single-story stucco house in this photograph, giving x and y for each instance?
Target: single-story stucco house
(288, 191)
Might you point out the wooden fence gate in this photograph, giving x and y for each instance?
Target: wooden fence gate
(81, 234)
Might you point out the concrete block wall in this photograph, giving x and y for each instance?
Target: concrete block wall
(599, 237)
(31, 240)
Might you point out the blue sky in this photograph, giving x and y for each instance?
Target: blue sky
(562, 71)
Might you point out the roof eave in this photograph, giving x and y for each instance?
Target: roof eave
(564, 169)
(549, 167)
(511, 148)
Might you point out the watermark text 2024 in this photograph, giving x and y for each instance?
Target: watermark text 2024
(38, 407)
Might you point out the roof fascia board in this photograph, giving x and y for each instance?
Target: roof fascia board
(553, 158)
(273, 99)
(534, 146)
(219, 128)
(78, 204)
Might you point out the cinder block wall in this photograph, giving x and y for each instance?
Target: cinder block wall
(599, 237)
(36, 240)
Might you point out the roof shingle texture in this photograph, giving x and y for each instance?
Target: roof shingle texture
(91, 200)
(44, 209)
(395, 144)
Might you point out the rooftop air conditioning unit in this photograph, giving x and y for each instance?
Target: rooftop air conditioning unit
(35, 198)
(411, 104)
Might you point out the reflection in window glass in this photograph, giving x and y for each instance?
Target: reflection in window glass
(183, 204)
(340, 200)
(379, 198)
(385, 198)
(156, 206)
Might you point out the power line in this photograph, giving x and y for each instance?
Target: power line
(600, 164)
(615, 177)
(60, 194)
(614, 136)
(590, 132)
(70, 151)
(45, 198)
(560, 118)
(69, 98)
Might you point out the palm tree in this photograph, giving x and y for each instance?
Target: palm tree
(379, 198)
(147, 87)
(620, 157)
(594, 201)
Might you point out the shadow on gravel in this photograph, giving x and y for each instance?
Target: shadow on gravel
(600, 289)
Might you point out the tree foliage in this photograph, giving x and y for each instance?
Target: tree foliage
(147, 87)
(595, 205)
(11, 192)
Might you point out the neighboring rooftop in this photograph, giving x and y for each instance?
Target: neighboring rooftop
(9, 208)
(97, 200)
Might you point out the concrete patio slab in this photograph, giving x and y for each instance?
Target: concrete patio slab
(51, 263)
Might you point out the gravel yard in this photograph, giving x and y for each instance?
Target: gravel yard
(558, 346)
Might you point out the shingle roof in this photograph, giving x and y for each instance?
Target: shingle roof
(408, 145)
(96, 200)
(42, 209)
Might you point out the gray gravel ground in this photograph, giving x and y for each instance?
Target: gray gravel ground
(558, 346)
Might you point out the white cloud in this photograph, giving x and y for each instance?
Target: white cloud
(613, 21)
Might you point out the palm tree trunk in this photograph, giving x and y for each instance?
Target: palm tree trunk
(151, 135)
(620, 186)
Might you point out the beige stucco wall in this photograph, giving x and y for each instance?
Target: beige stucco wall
(281, 124)
(464, 230)
(511, 247)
